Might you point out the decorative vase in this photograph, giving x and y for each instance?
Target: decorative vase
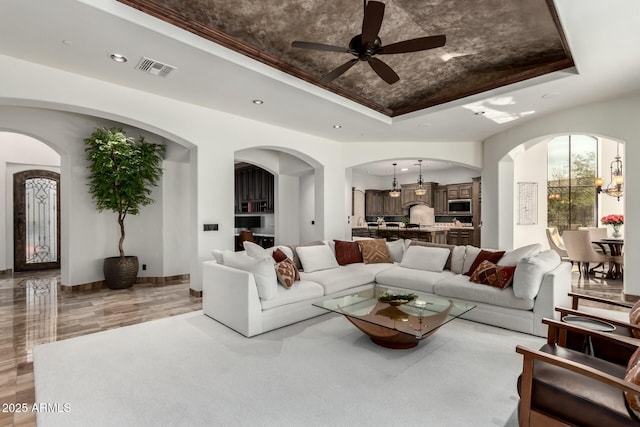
(120, 273)
(616, 231)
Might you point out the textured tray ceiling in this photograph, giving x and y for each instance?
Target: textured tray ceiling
(490, 43)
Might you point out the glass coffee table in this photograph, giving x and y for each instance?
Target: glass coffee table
(397, 323)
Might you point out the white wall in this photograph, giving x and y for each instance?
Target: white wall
(615, 119)
(531, 166)
(308, 231)
(175, 219)
(18, 153)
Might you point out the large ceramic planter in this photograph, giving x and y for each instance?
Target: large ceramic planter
(120, 272)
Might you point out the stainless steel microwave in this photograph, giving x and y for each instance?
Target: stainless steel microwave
(460, 206)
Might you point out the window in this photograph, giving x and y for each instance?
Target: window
(571, 170)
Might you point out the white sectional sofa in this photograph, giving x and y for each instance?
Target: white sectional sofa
(541, 281)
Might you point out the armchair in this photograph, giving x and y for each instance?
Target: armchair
(563, 387)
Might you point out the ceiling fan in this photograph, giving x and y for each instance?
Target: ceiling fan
(366, 45)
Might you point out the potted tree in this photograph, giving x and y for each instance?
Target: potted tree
(123, 171)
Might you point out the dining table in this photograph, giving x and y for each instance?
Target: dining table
(615, 250)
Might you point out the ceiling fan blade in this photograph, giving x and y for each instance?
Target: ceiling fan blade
(320, 46)
(332, 75)
(384, 71)
(414, 45)
(372, 21)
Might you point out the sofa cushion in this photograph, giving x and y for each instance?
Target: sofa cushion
(339, 279)
(296, 259)
(457, 259)
(302, 290)
(530, 272)
(315, 258)
(459, 286)
(396, 250)
(470, 254)
(447, 266)
(409, 278)
(374, 251)
(255, 251)
(425, 258)
(262, 269)
(372, 269)
(218, 255)
(484, 255)
(347, 252)
(488, 273)
(512, 257)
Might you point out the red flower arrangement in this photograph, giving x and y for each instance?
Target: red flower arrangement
(612, 219)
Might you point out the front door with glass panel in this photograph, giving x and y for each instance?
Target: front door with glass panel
(36, 220)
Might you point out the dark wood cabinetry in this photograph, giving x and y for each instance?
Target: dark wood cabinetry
(380, 203)
(440, 205)
(254, 189)
(459, 191)
(409, 196)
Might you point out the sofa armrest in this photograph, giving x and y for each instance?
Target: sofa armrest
(554, 291)
(230, 296)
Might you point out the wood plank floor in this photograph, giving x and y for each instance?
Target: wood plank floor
(33, 310)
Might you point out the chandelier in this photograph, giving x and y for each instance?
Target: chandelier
(395, 191)
(614, 189)
(420, 190)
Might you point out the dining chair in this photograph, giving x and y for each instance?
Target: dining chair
(393, 232)
(556, 243)
(373, 227)
(580, 250)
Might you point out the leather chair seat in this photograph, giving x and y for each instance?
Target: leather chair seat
(576, 398)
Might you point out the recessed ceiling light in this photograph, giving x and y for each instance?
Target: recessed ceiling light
(404, 169)
(118, 58)
(479, 113)
(337, 126)
(258, 101)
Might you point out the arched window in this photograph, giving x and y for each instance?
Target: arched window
(571, 170)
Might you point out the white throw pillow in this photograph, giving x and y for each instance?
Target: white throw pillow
(263, 272)
(425, 258)
(396, 250)
(512, 257)
(217, 255)
(315, 258)
(470, 254)
(457, 259)
(530, 272)
(256, 251)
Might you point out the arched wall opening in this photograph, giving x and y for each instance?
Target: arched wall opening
(157, 236)
(297, 217)
(19, 152)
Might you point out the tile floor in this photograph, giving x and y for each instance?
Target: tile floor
(33, 310)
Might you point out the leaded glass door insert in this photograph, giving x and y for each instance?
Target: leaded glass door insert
(36, 220)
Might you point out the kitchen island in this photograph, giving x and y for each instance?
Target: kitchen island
(449, 234)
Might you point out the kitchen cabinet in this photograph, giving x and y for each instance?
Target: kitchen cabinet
(374, 203)
(380, 203)
(409, 197)
(254, 190)
(440, 205)
(459, 191)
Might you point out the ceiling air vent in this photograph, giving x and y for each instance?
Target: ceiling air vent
(151, 66)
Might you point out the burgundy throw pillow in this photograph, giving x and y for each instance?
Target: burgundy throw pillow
(488, 273)
(347, 252)
(492, 256)
(278, 255)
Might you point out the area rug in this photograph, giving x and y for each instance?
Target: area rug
(190, 370)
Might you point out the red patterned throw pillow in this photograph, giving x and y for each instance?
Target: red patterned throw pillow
(286, 272)
(494, 257)
(488, 273)
(347, 252)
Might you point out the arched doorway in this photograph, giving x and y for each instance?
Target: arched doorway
(36, 220)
